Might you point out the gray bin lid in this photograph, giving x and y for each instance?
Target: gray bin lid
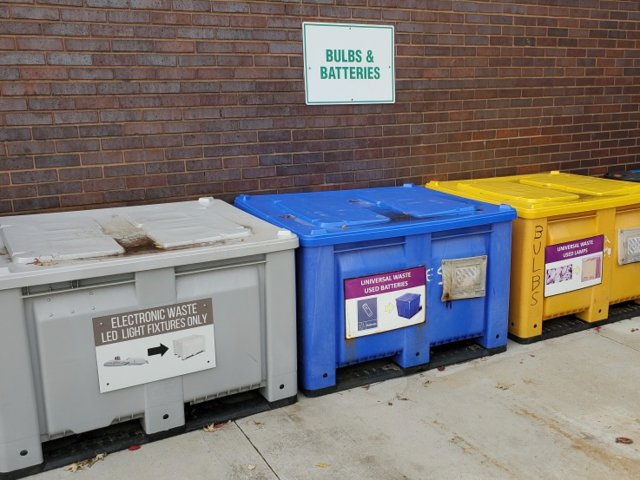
(140, 236)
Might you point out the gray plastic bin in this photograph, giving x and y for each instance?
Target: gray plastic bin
(114, 314)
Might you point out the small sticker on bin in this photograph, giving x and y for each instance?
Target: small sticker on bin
(384, 301)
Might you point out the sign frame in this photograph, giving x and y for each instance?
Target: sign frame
(311, 98)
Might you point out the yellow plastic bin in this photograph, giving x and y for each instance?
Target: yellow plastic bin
(576, 244)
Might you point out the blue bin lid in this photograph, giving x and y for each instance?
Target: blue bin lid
(343, 216)
(630, 175)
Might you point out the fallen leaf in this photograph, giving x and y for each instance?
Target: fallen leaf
(366, 387)
(532, 355)
(503, 386)
(258, 424)
(624, 440)
(633, 330)
(251, 467)
(323, 465)
(212, 427)
(88, 463)
(597, 329)
(390, 404)
(440, 369)
(133, 448)
(400, 397)
(426, 383)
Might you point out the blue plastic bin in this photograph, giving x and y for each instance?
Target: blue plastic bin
(408, 304)
(629, 175)
(363, 249)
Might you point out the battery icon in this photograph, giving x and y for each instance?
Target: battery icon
(367, 310)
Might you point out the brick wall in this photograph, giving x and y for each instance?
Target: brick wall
(131, 101)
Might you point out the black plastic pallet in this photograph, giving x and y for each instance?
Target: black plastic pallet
(65, 451)
(558, 327)
(374, 371)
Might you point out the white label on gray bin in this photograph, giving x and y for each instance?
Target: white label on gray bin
(142, 346)
(384, 301)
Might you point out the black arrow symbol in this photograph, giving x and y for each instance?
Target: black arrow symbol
(161, 350)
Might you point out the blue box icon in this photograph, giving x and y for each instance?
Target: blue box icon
(408, 304)
(373, 279)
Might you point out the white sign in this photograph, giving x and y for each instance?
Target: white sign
(384, 301)
(348, 63)
(133, 348)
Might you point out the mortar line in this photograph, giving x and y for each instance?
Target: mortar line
(258, 451)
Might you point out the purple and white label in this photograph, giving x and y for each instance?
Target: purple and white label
(573, 265)
(384, 301)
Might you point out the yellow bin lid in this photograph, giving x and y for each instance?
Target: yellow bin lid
(546, 194)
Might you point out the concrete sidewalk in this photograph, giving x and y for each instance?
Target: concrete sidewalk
(549, 410)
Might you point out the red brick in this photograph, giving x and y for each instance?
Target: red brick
(83, 15)
(39, 43)
(165, 167)
(83, 145)
(121, 143)
(35, 13)
(155, 141)
(87, 45)
(124, 196)
(82, 173)
(19, 28)
(29, 148)
(206, 189)
(152, 4)
(65, 29)
(192, 5)
(36, 176)
(146, 181)
(101, 157)
(18, 58)
(76, 117)
(42, 203)
(175, 46)
(186, 178)
(9, 104)
(482, 88)
(28, 118)
(101, 185)
(130, 169)
(59, 188)
(170, 18)
(165, 192)
(81, 199)
(107, 3)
